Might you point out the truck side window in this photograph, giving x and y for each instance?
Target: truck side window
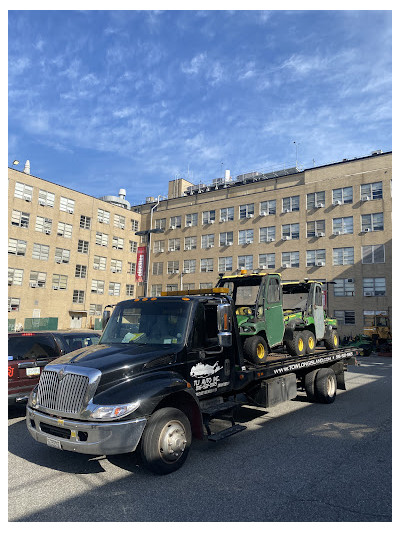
(273, 295)
(205, 332)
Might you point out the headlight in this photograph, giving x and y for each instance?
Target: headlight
(110, 412)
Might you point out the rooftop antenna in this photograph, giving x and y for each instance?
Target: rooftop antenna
(297, 144)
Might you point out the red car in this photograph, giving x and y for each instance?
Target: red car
(28, 353)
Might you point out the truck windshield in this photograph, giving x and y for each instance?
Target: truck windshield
(147, 322)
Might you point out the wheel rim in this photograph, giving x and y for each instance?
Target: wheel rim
(311, 343)
(335, 340)
(172, 441)
(300, 345)
(331, 386)
(260, 351)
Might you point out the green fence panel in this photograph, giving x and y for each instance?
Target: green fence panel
(11, 324)
(40, 324)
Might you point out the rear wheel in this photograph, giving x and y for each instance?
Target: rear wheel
(166, 441)
(255, 349)
(310, 341)
(332, 340)
(309, 385)
(325, 385)
(297, 345)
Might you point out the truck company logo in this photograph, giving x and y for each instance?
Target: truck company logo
(201, 370)
(206, 382)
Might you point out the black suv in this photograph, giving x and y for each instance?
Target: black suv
(29, 352)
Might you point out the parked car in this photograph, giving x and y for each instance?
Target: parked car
(29, 352)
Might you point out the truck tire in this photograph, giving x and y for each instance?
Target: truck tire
(309, 385)
(310, 341)
(255, 349)
(166, 441)
(332, 340)
(325, 385)
(297, 345)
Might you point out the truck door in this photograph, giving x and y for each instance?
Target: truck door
(209, 366)
(273, 311)
(318, 312)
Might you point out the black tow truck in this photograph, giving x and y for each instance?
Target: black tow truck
(166, 368)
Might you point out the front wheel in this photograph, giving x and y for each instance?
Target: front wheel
(166, 441)
(297, 345)
(310, 341)
(331, 341)
(255, 349)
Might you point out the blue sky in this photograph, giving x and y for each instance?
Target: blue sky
(100, 100)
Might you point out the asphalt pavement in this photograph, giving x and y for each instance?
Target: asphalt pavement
(297, 462)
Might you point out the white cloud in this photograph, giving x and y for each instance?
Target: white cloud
(195, 64)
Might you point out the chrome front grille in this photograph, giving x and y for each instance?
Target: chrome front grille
(65, 395)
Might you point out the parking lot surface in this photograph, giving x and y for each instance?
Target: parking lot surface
(295, 462)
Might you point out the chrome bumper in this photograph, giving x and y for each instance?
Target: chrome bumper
(107, 438)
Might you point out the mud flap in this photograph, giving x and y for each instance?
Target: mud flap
(338, 368)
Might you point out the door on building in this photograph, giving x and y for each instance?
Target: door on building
(76, 321)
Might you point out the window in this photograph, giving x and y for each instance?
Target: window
(316, 228)
(64, 230)
(119, 221)
(15, 276)
(83, 246)
(188, 286)
(44, 225)
(346, 318)
(130, 289)
(315, 199)
(246, 211)
(267, 234)
(268, 208)
(274, 293)
(373, 254)
(290, 231)
(133, 246)
(342, 225)
(131, 268)
(37, 279)
(208, 217)
(374, 286)
(78, 297)
(290, 259)
(175, 222)
(160, 223)
(207, 241)
(226, 238)
(343, 256)
(46, 198)
(40, 251)
(67, 205)
(266, 261)
(246, 236)
(59, 282)
(371, 191)
(99, 262)
(114, 288)
(245, 261)
(190, 243)
(158, 268)
(225, 264)
(19, 219)
(101, 239)
(103, 216)
(13, 304)
(206, 265)
(158, 246)
(206, 285)
(62, 255)
(372, 222)
(97, 286)
(16, 247)
(343, 287)
(173, 267)
(95, 309)
(134, 225)
(22, 191)
(174, 245)
(156, 290)
(342, 196)
(189, 266)
(115, 266)
(191, 220)
(315, 258)
(172, 287)
(291, 203)
(226, 214)
(85, 222)
(80, 271)
(118, 243)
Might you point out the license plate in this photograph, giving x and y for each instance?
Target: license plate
(54, 443)
(33, 371)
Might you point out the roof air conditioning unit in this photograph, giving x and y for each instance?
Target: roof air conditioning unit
(320, 234)
(320, 263)
(285, 265)
(320, 205)
(368, 293)
(263, 214)
(365, 198)
(337, 232)
(337, 202)
(366, 230)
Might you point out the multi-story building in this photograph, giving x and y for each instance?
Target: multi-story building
(69, 254)
(330, 223)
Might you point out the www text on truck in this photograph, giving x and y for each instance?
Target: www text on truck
(165, 369)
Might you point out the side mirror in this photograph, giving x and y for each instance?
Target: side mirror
(224, 317)
(225, 339)
(105, 318)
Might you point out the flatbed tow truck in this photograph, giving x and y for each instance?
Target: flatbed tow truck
(164, 370)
